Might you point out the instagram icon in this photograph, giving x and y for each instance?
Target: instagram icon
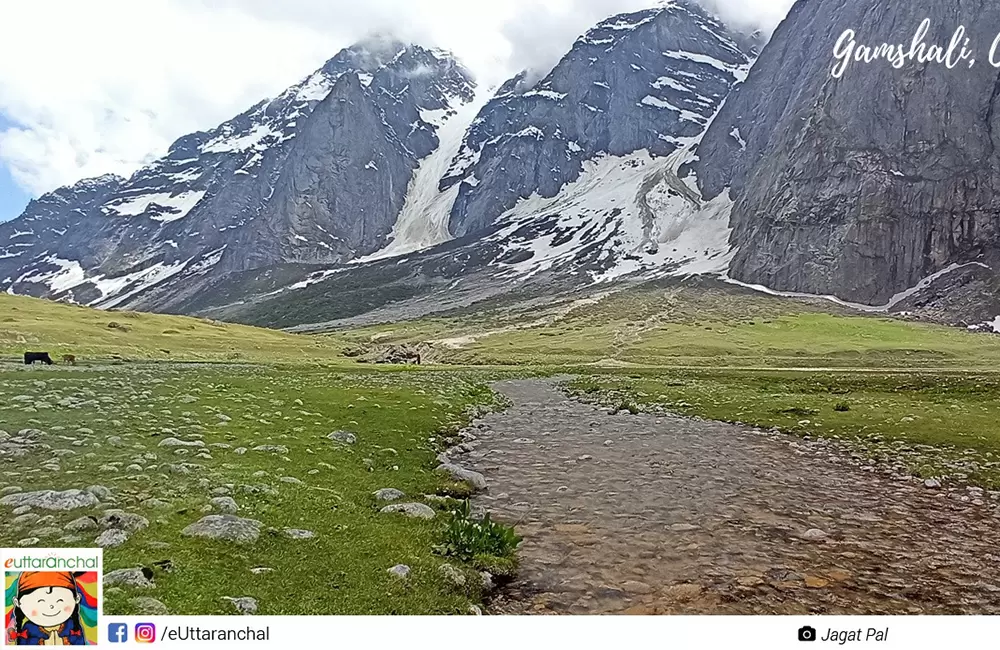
(145, 633)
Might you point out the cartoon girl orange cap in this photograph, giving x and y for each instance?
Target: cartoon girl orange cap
(31, 580)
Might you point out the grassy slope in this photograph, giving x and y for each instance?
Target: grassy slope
(32, 324)
(342, 570)
(932, 424)
(693, 326)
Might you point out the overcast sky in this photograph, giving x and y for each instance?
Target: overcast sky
(89, 87)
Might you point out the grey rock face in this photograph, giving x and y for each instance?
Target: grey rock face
(861, 198)
(226, 528)
(644, 80)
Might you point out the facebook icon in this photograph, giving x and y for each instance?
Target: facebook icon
(117, 632)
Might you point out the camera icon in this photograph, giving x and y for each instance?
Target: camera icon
(807, 633)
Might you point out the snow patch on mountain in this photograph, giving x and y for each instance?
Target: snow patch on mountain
(423, 221)
(160, 206)
(622, 216)
(122, 288)
(67, 274)
(893, 301)
(257, 138)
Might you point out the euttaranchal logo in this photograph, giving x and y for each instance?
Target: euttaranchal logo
(52, 596)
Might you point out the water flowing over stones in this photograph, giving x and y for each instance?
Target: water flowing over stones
(690, 516)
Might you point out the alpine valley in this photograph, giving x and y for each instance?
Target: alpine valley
(389, 185)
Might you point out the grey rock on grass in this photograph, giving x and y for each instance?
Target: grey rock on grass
(226, 528)
(134, 577)
(345, 437)
(147, 606)
(111, 538)
(452, 575)
(400, 571)
(174, 442)
(244, 604)
(51, 500)
(272, 449)
(82, 524)
(415, 510)
(389, 494)
(124, 520)
(459, 473)
(225, 505)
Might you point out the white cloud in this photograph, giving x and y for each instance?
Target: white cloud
(106, 85)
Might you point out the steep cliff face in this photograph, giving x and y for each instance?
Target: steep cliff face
(860, 186)
(646, 80)
(316, 175)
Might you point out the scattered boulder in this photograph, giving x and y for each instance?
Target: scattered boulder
(487, 581)
(400, 571)
(136, 577)
(225, 505)
(296, 533)
(124, 520)
(111, 538)
(272, 449)
(415, 510)
(459, 473)
(82, 524)
(399, 354)
(452, 575)
(225, 527)
(174, 442)
(101, 492)
(149, 606)
(344, 437)
(51, 500)
(389, 494)
(932, 484)
(244, 604)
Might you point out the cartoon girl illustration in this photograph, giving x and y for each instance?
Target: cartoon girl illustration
(47, 609)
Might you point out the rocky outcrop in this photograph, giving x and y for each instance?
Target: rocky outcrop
(860, 186)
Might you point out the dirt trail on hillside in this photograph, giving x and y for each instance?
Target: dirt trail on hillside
(661, 514)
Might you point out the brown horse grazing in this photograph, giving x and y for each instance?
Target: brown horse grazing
(69, 359)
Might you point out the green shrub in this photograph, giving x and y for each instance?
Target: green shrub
(484, 542)
(842, 407)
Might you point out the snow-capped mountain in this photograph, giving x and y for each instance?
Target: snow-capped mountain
(316, 175)
(580, 177)
(358, 178)
(650, 81)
